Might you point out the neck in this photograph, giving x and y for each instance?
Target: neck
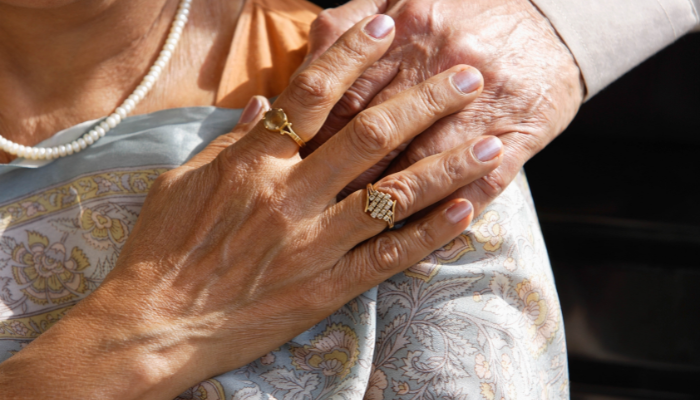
(72, 38)
(53, 58)
(79, 59)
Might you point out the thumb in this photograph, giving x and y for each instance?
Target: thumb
(331, 23)
(250, 116)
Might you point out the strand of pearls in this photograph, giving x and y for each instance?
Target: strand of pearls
(111, 121)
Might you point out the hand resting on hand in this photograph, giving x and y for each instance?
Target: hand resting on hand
(267, 251)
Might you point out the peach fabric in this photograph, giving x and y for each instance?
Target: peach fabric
(269, 44)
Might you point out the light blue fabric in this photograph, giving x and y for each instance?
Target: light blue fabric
(168, 137)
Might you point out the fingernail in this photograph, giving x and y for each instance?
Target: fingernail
(251, 111)
(380, 26)
(459, 211)
(488, 149)
(467, 81)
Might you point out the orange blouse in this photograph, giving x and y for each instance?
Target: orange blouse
(269, 44)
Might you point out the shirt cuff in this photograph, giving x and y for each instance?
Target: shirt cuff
(608, 38)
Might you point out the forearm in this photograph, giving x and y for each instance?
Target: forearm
(96, 352)
(57, 364)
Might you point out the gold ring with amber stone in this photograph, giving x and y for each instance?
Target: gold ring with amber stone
(276, 121)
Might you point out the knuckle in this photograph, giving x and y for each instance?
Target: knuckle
(324, 21)
(415, 14)
(455, 167)
(353, 50)
(358, 96)
(413, 155)
(372, 133)
(432, 98)
(386, 254)
(311, 88)
(427, 236)
(350, 104)
(404, 189)
(492, 185)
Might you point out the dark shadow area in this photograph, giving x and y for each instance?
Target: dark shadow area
(328, 3)
(618, 201)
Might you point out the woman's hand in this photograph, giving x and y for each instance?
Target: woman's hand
(244, 247)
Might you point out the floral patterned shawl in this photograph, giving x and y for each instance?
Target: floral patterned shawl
(478, 318)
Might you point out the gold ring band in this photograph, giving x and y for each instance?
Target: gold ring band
(380, 205)
(276, 121)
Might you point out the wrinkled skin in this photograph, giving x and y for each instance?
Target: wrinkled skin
(533, 87)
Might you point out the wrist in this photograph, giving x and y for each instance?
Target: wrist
(577, 75)
(99, 352)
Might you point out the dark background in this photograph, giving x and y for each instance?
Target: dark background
(618, 200)
(619, 204)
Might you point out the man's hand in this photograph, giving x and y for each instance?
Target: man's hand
(533, 87)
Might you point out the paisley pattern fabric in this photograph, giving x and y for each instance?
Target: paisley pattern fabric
(478, 318)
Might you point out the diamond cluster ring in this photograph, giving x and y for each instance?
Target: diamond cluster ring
(380, 205)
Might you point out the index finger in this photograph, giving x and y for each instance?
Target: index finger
(330, 24)
(313, 93)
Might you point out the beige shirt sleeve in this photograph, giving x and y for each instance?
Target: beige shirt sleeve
(610, 37)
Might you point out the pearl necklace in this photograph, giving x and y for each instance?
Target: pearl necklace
(111, 121)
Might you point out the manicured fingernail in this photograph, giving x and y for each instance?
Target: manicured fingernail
(251, 111)
(488, 149)
(467, 81)
(380, 26)
(459, 211)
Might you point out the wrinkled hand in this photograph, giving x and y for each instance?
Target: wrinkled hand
(532, 91)
(245, 246)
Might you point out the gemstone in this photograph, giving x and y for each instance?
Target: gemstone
(389, 214)
(387, 218)
(275, 119)
(374, 214)
(371, 197)
(371, 207)
(388, 206)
